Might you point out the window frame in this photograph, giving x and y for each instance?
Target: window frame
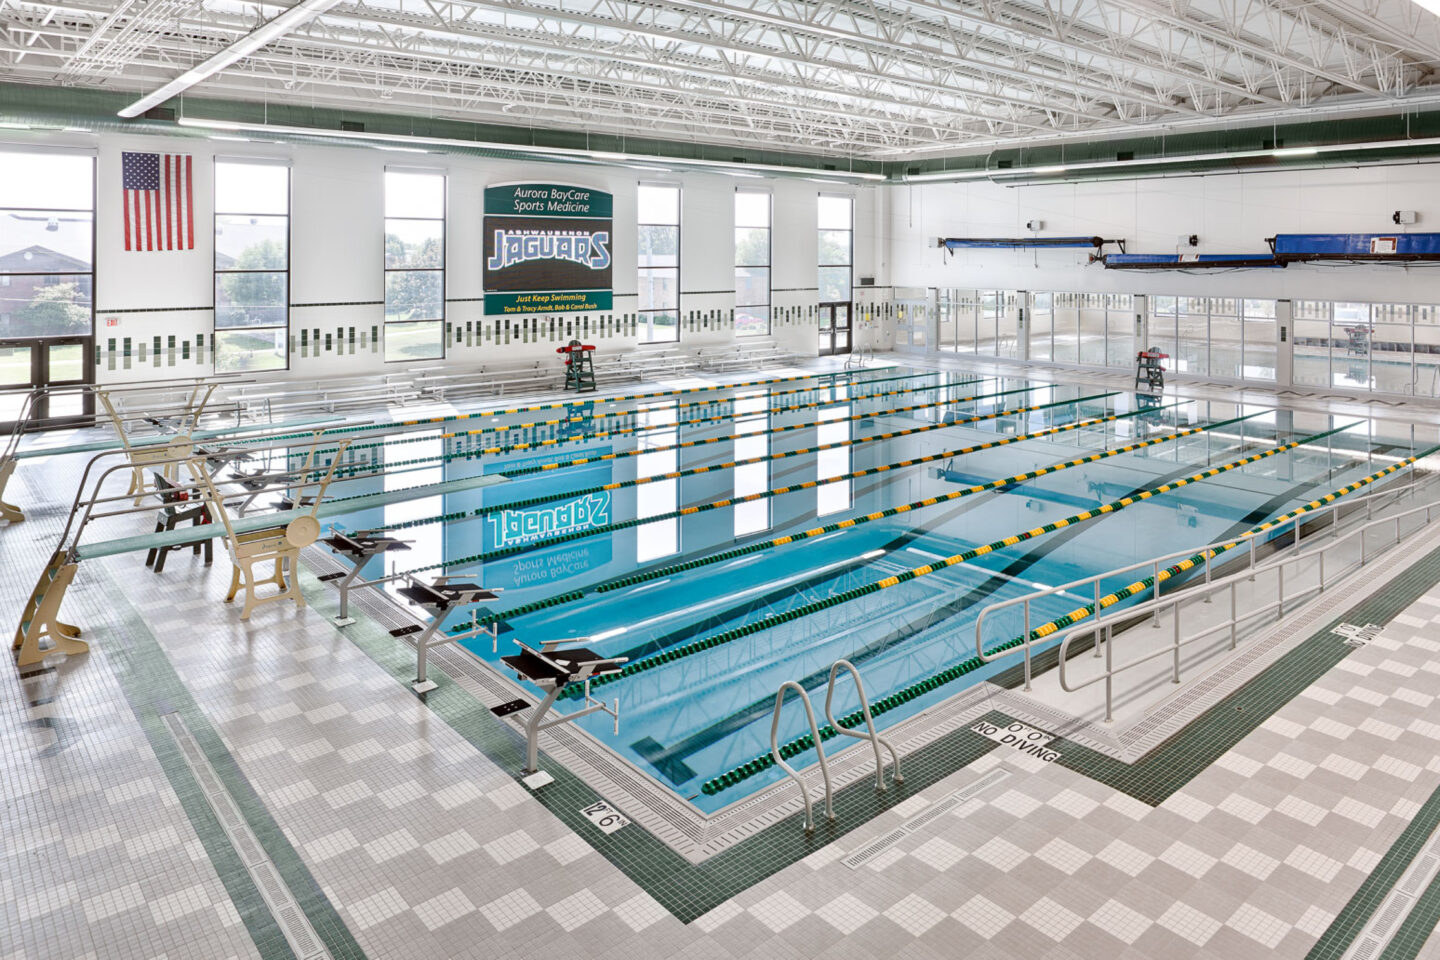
(849, 265)
(215, 215)
(640, 315)
(769, 264)
(443, 269)
(94, 231)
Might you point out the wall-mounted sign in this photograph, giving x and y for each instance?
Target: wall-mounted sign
(547, 249)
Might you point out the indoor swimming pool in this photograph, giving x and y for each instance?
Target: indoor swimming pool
(726, 542)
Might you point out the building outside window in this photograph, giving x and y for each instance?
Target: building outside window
(414, 265)
(658, 252)
(752, 263)
(836, 248)
(252, 265)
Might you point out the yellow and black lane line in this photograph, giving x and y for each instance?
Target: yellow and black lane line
(792, 488)
(560, 405)
(572, 418)
(728, 636)
(342, 472)
(921, 687)
(729, 464)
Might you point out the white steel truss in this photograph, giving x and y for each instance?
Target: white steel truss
(863, 78)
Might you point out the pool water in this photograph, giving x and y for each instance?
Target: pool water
(697, 716)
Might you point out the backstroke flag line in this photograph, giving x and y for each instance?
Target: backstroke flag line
(159, 210)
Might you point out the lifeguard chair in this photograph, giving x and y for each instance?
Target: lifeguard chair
(1149, 371)
(579, 369)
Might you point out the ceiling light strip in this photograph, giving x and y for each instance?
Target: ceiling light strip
(569, 153)
(272, 30)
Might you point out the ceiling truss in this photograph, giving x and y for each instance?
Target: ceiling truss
(863, 78)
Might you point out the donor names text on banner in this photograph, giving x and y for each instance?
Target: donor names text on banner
(547, 249)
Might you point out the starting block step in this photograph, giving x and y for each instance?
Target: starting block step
(406, 631)
(327, 577)
(505, 709)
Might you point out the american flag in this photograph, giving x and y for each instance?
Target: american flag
(159, 209)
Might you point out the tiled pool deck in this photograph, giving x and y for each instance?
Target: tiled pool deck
(1274, 826)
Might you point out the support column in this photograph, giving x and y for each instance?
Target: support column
(1142, 323)
(1284, 343)
(1022, 324)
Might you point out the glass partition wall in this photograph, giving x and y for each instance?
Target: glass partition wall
(1390, 348)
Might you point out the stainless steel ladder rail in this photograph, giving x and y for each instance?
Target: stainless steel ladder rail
(876, 741)
(819, 751)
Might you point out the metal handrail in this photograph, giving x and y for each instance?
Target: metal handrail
(1092, 584)
(1106, 625)
(819, 750)
(876, 741)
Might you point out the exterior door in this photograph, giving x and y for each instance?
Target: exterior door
(57, 362)
(834, 329)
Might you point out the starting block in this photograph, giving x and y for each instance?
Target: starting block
(552, 669)
(441, 598)
(359, 549)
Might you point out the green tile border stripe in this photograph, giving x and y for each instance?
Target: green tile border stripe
(1352, 918)
(687, 890)
(1171, 765)
(1417, 926)
(154, 688)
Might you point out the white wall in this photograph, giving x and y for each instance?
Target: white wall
(1231, 214)
(337, 256)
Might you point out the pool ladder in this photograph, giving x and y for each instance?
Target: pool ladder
(876, 741)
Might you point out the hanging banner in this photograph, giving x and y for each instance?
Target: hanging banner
(547, 249)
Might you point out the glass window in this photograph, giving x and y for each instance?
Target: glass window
(658, 436)
(752, 263)
(836, 236)
(414, 265)
(252, 266)
(657, 251)
(752, 442)
(834, 427)
(47, 245)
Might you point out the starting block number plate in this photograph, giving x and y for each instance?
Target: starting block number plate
(1022, 738)
(604, 816)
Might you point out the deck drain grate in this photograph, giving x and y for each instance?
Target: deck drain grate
(291, 920)
(1383, 928)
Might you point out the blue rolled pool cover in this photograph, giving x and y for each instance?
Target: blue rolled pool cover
(1349, 245)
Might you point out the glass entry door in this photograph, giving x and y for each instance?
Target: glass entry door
(912, 322)
(834, 328)
(46, 362)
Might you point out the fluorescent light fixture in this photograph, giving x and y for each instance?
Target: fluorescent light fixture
(7, 125)
(607, 634)
(872, 554)
(1013, 173)
(571, 154)
(949, 175)
(742, 173)
(272, 30)
(400, 149)
(217, 136)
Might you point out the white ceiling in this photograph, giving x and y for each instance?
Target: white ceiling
(879, 79)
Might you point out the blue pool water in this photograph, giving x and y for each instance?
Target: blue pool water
(701, 715)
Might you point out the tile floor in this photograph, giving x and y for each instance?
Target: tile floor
(399, 833)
